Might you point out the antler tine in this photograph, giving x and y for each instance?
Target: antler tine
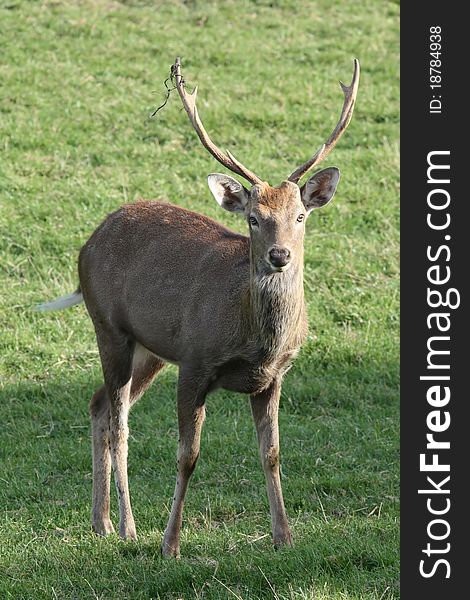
(189, 103)
(350, 93)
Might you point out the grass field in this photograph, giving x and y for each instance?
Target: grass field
(78, 81)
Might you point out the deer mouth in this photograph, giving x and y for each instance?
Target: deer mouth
(277, 268)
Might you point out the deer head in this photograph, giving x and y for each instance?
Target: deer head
(276, 215)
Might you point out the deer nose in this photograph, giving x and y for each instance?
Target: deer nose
(279, 257)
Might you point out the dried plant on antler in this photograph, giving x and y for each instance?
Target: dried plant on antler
(189, 103)
(230, 162)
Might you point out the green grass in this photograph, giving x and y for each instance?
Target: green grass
(78, 81)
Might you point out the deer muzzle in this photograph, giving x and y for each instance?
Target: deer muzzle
(279, 258)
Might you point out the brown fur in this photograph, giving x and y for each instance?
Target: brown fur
(164, 284)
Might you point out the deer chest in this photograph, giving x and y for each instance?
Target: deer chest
(251, 377)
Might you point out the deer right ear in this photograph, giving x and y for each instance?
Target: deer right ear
(228, 192)
(320, 188)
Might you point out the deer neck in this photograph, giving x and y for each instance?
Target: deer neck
(277, 309)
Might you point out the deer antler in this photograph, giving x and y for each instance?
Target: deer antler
(189, 103)
(350, 93)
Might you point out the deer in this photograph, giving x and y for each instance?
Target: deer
(163, 284)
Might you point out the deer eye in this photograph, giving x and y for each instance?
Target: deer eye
(253, 222)
(300, 218)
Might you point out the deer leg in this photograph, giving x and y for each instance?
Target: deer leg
(191, 413)
(145, 368)
(116, 352)
(99, 411)
(265, 407)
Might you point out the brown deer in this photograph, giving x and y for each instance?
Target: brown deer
(164, 284)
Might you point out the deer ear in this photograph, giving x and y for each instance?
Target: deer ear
(228, 192)
(320, 188)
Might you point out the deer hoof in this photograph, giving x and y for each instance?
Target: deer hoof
(128, 533)
(284, 539)
(169, 550)
(103, 528)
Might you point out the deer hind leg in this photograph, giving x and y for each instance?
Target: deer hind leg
(99, 411)
(191, 413)
(116, 352)
(145, 367)
(265, 408)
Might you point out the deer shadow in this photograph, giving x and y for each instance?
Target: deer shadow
(47, 494)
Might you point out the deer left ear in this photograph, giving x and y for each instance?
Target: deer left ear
(228, 192)
(320, 188)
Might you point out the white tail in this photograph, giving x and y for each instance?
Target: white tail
(61, 303)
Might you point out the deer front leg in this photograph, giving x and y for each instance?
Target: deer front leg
(265, 407)
(191, 414)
